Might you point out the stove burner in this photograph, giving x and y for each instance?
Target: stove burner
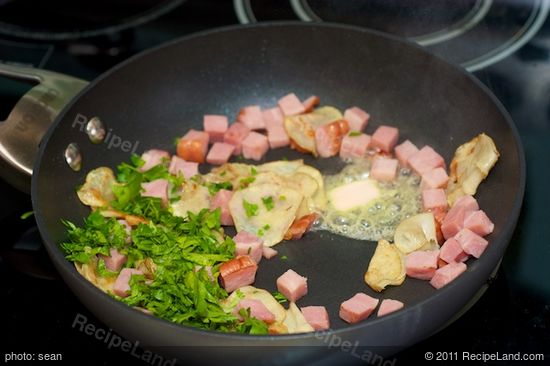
(66, 19)
(472, 33)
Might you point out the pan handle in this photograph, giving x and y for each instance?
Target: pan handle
(21, 133)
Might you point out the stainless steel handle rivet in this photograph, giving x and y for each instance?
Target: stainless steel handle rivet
(73, 157)
(96, 130)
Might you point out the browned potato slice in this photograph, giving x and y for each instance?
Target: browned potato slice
(97, 190)
(386, 267)
(470, 166)
(416, 233)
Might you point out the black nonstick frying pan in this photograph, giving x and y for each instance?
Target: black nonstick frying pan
(159, 95)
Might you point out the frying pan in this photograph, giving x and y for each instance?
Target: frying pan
(156, 96)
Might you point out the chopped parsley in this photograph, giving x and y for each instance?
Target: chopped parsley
(268, 202)
(245, 182)
(282, 197)
(264, 228)
(250, 209)
(279, 297)
(284, 258)
(253, 171)
(354, 134)
(213, 188)
(26, 215)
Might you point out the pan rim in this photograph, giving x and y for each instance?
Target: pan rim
(59, 259)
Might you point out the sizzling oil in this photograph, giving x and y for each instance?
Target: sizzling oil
(378, 218)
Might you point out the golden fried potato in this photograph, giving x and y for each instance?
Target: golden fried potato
(386, 267)
(470, 166)
(295, 321)
(416, 233)
(97, 190)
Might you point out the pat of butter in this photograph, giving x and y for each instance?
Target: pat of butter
(349, 196)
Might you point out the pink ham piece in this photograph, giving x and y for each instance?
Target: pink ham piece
(354, 146)
(216, 126)
(385, 138)
(152, 158)
(257, 310)
(219, 153)
(193, 146)
(273, 117)
(454, 220)
(421, 264)
(358, 308)
(404, 151)
(186, 168)
(316, 316)
(479, 223)
(252, 117)
(269, 252)
(435, 178)
(248, 244)
(451, 251)
(446, 274)
(328, 137)
(291, 105)
(311, 103)
(237, 272)
(357, 118)
(388, 306)
(156, 188)
(277, 137)
(383, 169)
(235, 134)
(221, 200)
(254, 146)
(122, 284)
(434, 199)
(424, 160)
(115, 260)
(292, 285)
(471, 243)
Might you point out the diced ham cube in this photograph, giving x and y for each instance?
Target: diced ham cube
(252, 117)
(311, 103)
(277, 137)
(316, 316)
(328, 137)
(237, 272)
(152, 158)
(471, 243)
(435, 178)
(186, 168)
(385, 138)
(424, 160)
(291, 105)
(357, 118)
(193, 146)
(388, 306)
(354, 146)
(254, 146)
(235, 135)
(273, 117)
(269, 252)
(404, 151)
(358, 308)
(454, 220)
(248, 244)
(479, 223)
(300, 226)
(115, 260)
(221, 200)
(257, 310)
(434, 199)
(216, 126)
(446, 274)
(384, 170)
(156, 188)
(451, 251)
(122, 283)
(292, 285)
(421, 264)
(219, 153)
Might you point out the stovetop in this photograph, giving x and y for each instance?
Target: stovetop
(505, 43)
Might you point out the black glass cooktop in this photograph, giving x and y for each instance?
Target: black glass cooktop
(41, 315)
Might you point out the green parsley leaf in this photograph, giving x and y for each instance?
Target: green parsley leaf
(213, 188)
(268, 202)
(26, 215)
(245, 182)
(251, 209)
(284, 258)
(354, 134)
(279, 297)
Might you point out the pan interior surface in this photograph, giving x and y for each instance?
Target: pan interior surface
(159, 96)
